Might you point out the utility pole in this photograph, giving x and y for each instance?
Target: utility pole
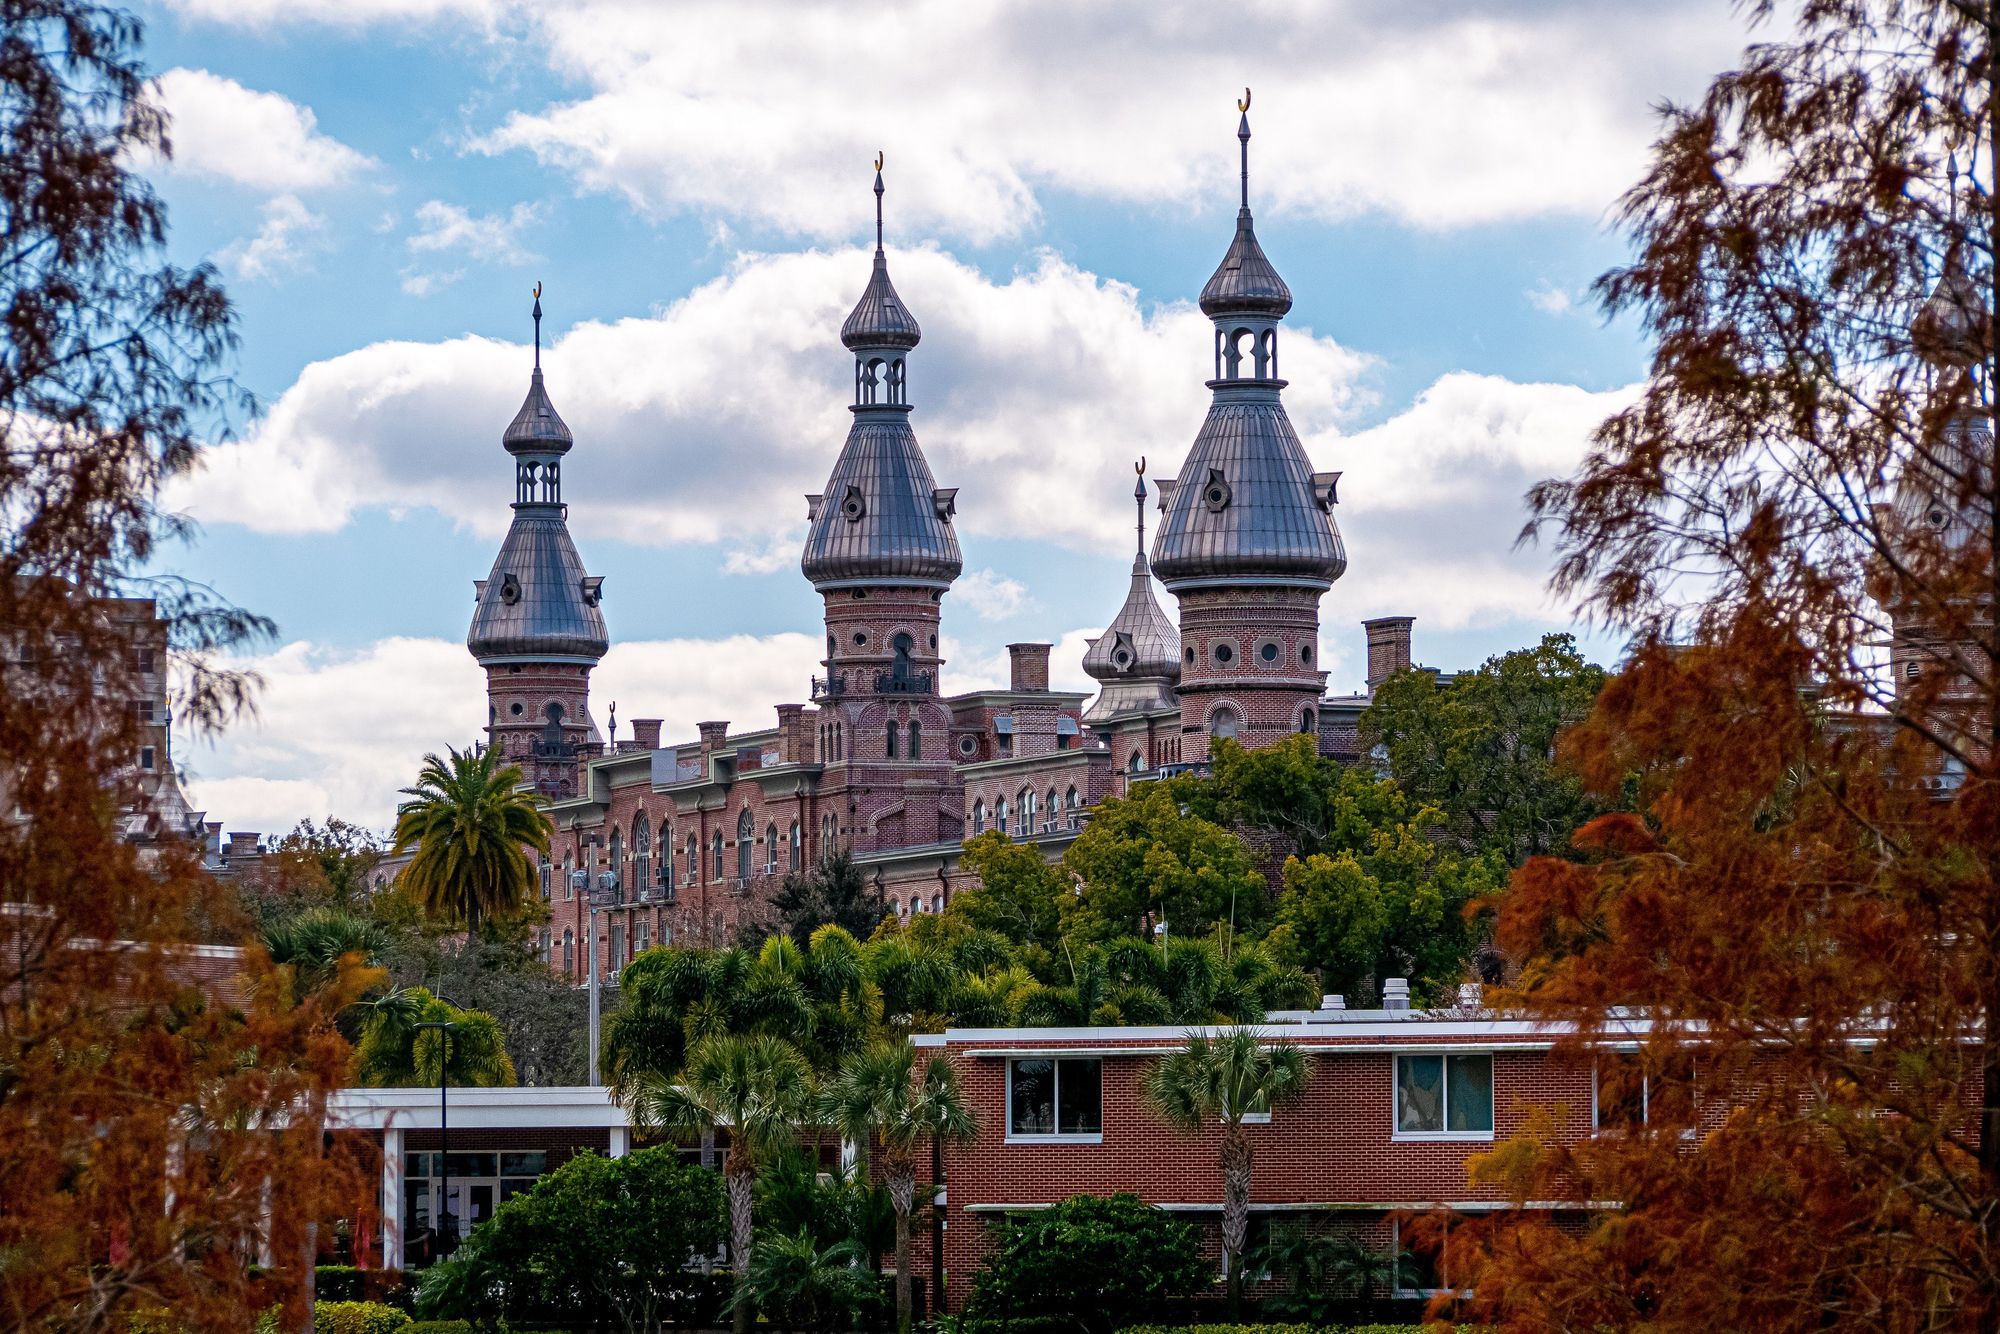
(447, 1225)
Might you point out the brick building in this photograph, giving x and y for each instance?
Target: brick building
(687, 839)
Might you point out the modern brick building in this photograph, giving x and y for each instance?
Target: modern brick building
(687, 839)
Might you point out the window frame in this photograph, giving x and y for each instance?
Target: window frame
(1444, 1134)
(1055, 1061)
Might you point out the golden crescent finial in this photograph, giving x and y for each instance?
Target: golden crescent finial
(1140, 466)
(538, 291)
(878, 159)
(1244, 105)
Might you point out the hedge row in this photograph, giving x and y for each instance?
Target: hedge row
(358, 1318)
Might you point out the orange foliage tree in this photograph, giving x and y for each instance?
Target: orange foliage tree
(1799, 922)
(161, 1128)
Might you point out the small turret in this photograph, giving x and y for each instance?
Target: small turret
(1138, 656)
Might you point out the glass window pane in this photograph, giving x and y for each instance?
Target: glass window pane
(418, 1165)
(1419, 1093)
(1080, 1096)
(523, 1164)
(471, 1165)
(1469, 1095)
(1033, 1097)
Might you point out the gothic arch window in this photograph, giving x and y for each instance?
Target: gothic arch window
(892, 739)
(1309, 719)
(616, 859)
(1222, 724)
(548, 879)
(1027, 811)
(900, 668)
(715, 859)
(771, 849)
(1051, 808)
(1137, 764)
(1001, 816)
(793, 839)
(916, 903)
(1073, 800)
(916, 740)
(642, 853)
(569, 954)
(694, 859)
(666, 852)
(937, 903)
(979, 817)
(569, 879)
(746, 851)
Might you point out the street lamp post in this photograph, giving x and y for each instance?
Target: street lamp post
(1160, 930)
(446, 1223)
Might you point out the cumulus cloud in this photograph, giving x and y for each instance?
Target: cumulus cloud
(449, 229)
(710, 421)
(264, 141)
(338, 13)
(285, 239)
(1550, 300)
(991, 595)
(1440, 117)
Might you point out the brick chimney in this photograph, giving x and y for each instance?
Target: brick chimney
(646, 733)
(1028, 666)
(792, 748)
(712, 736)
(1388, 647)
(245, 845)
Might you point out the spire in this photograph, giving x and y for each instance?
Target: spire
(1243, 143)
(1138, 655)
(1245, 283)
(1139, 499)
(538, 323)
(880, 322)
(878, 201)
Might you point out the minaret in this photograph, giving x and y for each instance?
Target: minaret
(1138, 657)
(537, 627)
(882, 554)
(1247, 540)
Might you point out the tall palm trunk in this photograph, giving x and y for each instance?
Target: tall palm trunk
(742, 1181)
(1235, 1210)
(902, 1177)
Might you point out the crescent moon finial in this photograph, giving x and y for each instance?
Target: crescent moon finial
(538, 291)
(878, 159)
(1140, 466)
(1244, 105)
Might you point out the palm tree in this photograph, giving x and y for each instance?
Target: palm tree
(395, 1052)
(812, 1285)
(472, 822)
(308, 947)
(877, 1097)
(760, 1088)
(1223, 1079)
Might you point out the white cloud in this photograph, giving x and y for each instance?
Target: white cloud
(710, 421)
(338, 13)
(265, 141)
(991, 596)
(288, 235)
(449, 229)
(424, 284)
(1439, 117)
(1550, 300)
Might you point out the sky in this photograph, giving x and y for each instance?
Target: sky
(383, 182)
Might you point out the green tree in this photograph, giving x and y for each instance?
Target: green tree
(801, 1283)
(308, 947)
(472, 822)
(879, 1099)
(1481, 747)
(396, 1053)
(1018, 894)
(833, 892)
(760, 1089)
(1220, 1080)
(1095, 1262)
(596, 1235)
(1326, 1274)
(1148, 857)
(541, 1014)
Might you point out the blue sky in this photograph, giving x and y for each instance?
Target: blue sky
(383, 181)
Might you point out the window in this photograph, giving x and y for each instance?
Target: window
(1424, 1269)
(892, 741)
(642, 936)
(1137, 764)
(1027, 811)
(1268, 651)
(1222, 724)
(746, 839)
(617, 959)
(694, 859)
(1624, 1096)
(146, 757)
(146, 661)
(1001, 815)
(548, 880)
(618, 864)
(979, 817)
(899, 669)
(715, 859)
(569, 878)
(795, 845)
(546, 948)
(1072, 800)
(1309, 719)
(642, 854)
(937, 903)
(569, 954)
(1444, 1095)
(1256, 1251)
(916, 740)
(771, 849)
(1055, 1096)
(145, 710)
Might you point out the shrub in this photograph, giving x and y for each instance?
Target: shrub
(337, 1283)
(1094, 1260)
(358, 1318)
(438, 1327)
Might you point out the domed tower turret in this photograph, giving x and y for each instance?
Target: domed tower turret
(1247, 540)
(881, 552)
(1138, 658)
(537, 627)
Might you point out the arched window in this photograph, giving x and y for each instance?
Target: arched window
(892, 739)
(899, 670)
(1138, 762)
(548, 879)
(746, 838)
(916, 903)
(547, 947)
(1073, 799)
(1222, 724)
(569, 878)
(694, 859)
(715, 859)
(1309, 719)
(979, 817)
(615, 862)
(937, 903)
(569, 954)
(1001, 817)
(666, 853)
(642, 854)
(916, 740)
(770, 848)
(1027, 811)
(1051, 808)
(795, 848)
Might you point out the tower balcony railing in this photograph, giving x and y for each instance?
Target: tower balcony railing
(912, 683)
(831, 687)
